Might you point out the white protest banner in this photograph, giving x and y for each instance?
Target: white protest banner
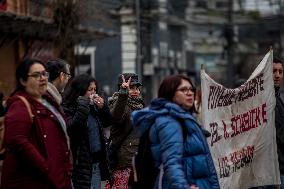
(241, 122)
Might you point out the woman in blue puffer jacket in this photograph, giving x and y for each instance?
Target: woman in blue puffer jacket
(178, 144)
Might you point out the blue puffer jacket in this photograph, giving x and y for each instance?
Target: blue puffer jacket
(178, 144)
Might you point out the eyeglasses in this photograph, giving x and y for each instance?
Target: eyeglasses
(67, 74)
(185, 90)
(38, 75)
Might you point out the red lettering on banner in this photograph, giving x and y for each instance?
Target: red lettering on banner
(257, 118)
(245, 121)
(226, 134)
(264, 115)
(248, 120)
(236, 160)
(234, 126)
(241, 123)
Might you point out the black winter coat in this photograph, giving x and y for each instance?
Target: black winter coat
(77, 120)
(279, 123)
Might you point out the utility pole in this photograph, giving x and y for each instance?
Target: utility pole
(230, 46)
(138, 40)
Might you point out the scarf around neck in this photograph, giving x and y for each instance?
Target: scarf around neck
(134, 103)
(54, 92)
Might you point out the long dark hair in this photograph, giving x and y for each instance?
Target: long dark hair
(22, 72)
(78, 87)
(169, 86)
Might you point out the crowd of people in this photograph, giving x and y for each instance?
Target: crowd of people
(58, 140)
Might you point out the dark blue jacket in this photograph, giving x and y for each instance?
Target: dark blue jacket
(178, 144)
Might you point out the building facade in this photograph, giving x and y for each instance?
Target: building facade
(25, 29)
(153, 41)
(161, 37)
(44, 29)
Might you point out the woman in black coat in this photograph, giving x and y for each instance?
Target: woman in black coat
(87, 113)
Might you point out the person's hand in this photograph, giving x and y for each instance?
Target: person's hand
(99, 101)
(125, 84)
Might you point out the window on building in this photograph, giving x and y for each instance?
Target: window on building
(84, 64)
(201, 4)
(222, 4)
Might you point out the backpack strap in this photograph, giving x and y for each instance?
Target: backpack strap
(161, 174)
(28, 106)
(2, 149)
